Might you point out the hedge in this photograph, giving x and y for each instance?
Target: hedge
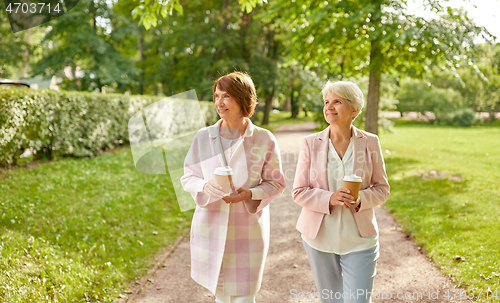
(64, 123)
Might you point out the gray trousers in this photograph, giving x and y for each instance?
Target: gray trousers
(343, 278)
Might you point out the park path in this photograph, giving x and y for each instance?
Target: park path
(402, 269)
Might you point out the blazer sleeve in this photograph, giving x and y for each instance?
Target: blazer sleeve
(311, 198)
(193, 180)
(378, 191)
(272, 181)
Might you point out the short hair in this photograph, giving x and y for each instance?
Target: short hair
(347, 90)
(240, 86)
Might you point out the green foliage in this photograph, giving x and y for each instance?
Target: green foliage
(412, 95)
(12, 48)
(150, 11)
(79, 230)
(341, 34)
(463, 117)
(305, 85)
(478, 84)
(209, 40)
(76, 40)
(420, 96)
(375, 37)
(454, 98)
(67, 123)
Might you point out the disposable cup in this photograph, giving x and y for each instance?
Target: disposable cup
(223, 177)
(353, 183)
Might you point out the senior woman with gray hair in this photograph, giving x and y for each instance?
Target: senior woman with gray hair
(340, 234)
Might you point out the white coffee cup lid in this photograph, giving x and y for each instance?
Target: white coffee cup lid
(223, 171)
(353, 178)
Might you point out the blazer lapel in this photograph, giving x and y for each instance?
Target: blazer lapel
(214, 138)
(320, 158)
(359, 152)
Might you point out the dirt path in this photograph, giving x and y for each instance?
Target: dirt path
(401, 271)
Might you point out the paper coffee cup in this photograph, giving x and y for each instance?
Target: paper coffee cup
(353, 183)
(223, 177)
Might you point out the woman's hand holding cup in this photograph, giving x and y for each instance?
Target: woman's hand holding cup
(213, 190)
(341, 197)
(243, 194)
(354, 204)
(353, 184)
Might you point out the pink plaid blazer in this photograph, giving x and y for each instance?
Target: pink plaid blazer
(233, 238)
(310, 187)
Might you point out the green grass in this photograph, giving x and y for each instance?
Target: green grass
(450, 216)
(77, 230)
(275, 120)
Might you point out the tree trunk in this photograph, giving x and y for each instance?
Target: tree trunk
(294, 104)
(99, 84)
(271, 53)
(376, 57)
(245, 24)
(93, 9)
(141, 52)
(492, 116)
(255, 114)
(372, 104)
(26, 55)
(295, 112)
(226, 15)
(268, 97)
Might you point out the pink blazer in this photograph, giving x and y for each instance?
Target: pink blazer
(310, 188)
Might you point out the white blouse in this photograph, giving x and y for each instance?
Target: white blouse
(338, 232)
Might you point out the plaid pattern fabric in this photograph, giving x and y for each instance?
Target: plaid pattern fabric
(232, 237)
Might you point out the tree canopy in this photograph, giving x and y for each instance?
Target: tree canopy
(289, 48)
(376, 37)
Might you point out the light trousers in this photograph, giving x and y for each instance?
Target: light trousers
(343, 278)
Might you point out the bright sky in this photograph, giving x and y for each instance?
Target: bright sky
(486, 12)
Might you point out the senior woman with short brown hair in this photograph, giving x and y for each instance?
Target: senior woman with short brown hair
(230, 234)
(340, 234)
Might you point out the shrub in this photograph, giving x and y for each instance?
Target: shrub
(420, 96)
(67, 123)
(463, 117)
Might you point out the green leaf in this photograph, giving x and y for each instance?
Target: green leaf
(178, 8)
(146, 23)
(164, 12)
(248, 7)
(135, 12)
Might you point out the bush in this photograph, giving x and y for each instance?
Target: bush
(463, 117)
(444, 103)
(67, 123)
